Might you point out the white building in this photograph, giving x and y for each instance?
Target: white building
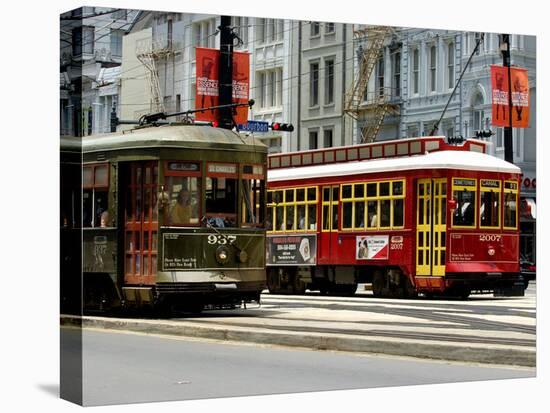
(91, 53)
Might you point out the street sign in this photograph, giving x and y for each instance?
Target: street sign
(255, 126)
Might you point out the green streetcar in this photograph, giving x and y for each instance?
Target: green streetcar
(171, 217)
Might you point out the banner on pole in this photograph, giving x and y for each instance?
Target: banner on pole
(207, 89)
(500, 98)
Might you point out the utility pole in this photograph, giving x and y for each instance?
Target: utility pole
(225, 73)
(508, 141)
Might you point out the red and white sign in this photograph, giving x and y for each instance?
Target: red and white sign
(372, 247)
(207, 92)
(520, 96)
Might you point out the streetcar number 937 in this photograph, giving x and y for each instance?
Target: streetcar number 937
(490, 237)
(220, 239)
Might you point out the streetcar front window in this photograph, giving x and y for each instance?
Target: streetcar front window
(183, 194)
(464, 193)
(252, 195)
(489, 208)
(510, 205)
(221, 202)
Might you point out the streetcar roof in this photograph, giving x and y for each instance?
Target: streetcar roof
(180, 136)
(469, 161)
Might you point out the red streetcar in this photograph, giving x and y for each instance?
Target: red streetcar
(410, 216)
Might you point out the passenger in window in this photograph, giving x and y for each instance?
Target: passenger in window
(301, 222)
(104, 220)
(181, 212)
(101, 207)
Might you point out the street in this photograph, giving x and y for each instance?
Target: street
(126, 368)
(129, 366)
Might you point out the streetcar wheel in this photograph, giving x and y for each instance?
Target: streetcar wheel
(378, 283)
(298, 286)
(272, 284)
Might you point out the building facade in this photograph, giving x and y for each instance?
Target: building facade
(90, 58)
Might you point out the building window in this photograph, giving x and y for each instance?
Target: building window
(500, 138)
(269, 87)
(412, 131)
(415, 70)
(260, 30)
(327, 138)
(315, 29)
(204, 33)
(116, 42)
(313, 140)
(396, 74)
(451, 65)
(240, 25)
(329, 28)
(313, 84)
(380, 77)
(433, 65)
(169, 30)
(279, 87)
(83, 40)
(280, 29)
(477, 37)
(120, 14)
(329, 81)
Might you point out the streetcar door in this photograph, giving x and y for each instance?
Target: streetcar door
(329, 223)
(431, 202)
(140, 223)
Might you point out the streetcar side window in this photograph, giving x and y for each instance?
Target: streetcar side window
(489, 203)
(95, 190)
(181, 194)
(510, 205)
(293, 209)
(252, 195)
(373, 205)
(221, 195)
(464, 193)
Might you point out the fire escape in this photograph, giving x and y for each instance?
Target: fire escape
(369, 108)
(150, 53)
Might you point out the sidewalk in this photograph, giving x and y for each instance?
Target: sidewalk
(489, 331)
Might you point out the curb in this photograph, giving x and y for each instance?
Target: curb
(461, 352)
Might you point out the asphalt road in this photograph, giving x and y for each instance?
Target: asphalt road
(126, 368)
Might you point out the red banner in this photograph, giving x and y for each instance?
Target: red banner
(520, 96)
(207, 91)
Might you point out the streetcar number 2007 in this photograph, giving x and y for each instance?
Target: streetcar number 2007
(490, 237)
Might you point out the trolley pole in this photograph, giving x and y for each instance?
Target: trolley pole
(225, 74)
(508, 140)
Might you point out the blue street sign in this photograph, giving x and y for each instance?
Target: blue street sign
(255, 126)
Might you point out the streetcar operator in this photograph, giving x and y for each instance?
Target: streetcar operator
(181, 211)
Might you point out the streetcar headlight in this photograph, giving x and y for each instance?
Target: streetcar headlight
(222, 255)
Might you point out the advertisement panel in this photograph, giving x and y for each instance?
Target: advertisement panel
(500, 97)
(372, 247)
(207, 89)
(292, 250)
